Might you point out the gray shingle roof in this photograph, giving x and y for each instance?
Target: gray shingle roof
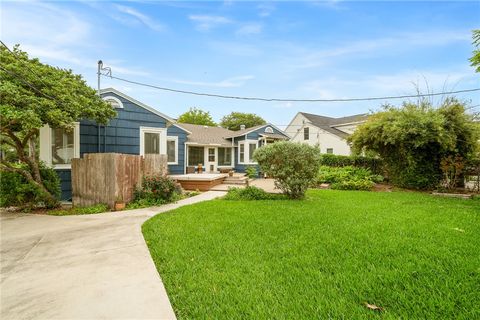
(206, 135)
(328, 124)
(240, 133)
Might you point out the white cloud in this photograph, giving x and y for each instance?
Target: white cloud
(144, 19)
(265, 9)
(374, 47)
(249, 29)
(232, 82)
(208, 22)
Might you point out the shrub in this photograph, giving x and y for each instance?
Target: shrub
(16, 191)
(158, 187)
(413, 139)
(251, 172)
(155, 190)
(248, 193)
(372, 163)
(294, 166)
(348, 178)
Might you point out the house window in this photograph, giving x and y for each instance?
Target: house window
(268, 130)
(241, 152)
(59, 146)
(62, 146)
(224, 156)
(153, 141)
(172, 150)
(330, 150)
(251, 149)
(306, 133)
(196, 156)
(211, 154)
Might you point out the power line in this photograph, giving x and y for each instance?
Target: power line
(23, 62)
(289, 100)
(16, 75)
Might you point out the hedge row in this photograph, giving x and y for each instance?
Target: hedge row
(333, 160)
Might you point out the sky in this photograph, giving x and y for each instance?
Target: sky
(291, 50)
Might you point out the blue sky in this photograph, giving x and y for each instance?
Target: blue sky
(316, 49)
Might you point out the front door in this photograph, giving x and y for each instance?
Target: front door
(211, 160)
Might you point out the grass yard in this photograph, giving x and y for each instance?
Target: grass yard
(415, 255)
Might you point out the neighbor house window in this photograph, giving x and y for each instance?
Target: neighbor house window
(196, 156)
(153, 141)
(59, 146)
(172, 150)
(62, 146)
(251, 149)
(224, 156)
(329, 150)
(241, 152)
(306, 133)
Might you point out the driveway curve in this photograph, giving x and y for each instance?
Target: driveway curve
(82, 267)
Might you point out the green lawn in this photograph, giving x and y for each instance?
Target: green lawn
(415, 255)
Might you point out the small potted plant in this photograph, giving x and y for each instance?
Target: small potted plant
(230, 173)
(119, 204)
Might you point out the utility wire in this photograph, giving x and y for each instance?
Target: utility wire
(289, 100)
(16, 75)
(23, 62)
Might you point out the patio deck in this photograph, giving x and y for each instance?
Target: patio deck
(199, 181)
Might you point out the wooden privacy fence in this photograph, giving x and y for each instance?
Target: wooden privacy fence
(109, 177)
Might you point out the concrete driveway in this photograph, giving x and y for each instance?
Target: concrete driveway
(82, 267)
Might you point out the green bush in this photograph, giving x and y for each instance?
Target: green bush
(333, 160)
(155, 190)
(16, 191)
(248, 193)
(158, 187)
(348, 178)
(294, 166)
(251, 172)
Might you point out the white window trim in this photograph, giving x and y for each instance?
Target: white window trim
(46, 146)
(244, 152)
(173, 138)
(269, 130)
(115, 99)
(163, 138)
(246, 156)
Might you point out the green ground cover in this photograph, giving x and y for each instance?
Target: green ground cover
(414, 255)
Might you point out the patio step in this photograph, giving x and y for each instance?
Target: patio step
(236, 180)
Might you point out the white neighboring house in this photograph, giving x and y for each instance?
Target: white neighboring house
(329, 133)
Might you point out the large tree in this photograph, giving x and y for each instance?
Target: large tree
(475, 59)
(413, 140)
(197, 116)
(34, 94)
(234, 120)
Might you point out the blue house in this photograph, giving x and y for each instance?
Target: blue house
(141, 129)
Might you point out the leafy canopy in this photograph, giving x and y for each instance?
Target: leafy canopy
(413, 139)
(197, 116)
(33, 94)
(475, 59)
(233, 120)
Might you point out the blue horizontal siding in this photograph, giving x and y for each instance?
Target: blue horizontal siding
(65, 176)
(120, 135)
